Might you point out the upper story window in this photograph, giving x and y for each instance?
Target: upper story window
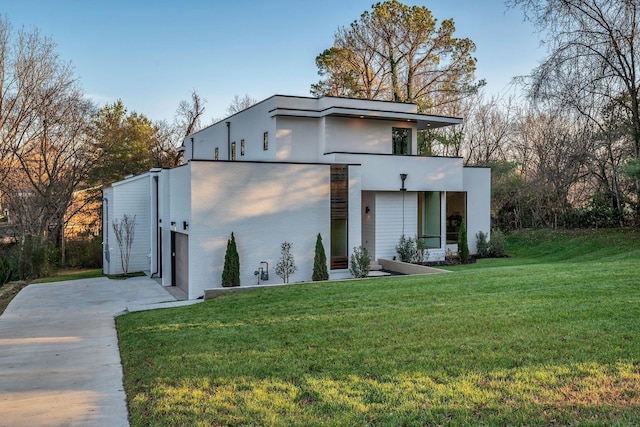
(401, 138)
(217, 156)
(265, 141)
(242, 147)
(233, 150)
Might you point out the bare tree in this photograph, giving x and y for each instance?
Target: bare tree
(189, 114)
(125, 232)
(593, 61)
(46, 149)
(240, 103)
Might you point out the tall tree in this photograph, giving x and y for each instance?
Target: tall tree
(593, 61)
(46, 149)
(396, 52)
(189, 114)
(125, 143)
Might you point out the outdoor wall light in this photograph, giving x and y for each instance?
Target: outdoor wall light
(366, 209)
(173, 223)
(403, 177)
(185, 225)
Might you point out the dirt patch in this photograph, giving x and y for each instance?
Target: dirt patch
(8, 291)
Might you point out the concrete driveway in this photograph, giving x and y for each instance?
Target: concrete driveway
(59, 357)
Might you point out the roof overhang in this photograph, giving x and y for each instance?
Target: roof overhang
(422, 121)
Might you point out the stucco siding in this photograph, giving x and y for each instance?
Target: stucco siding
(382, 172)
(264, 205)
(249, 124)
(363, 135)
(477, 184)
(369, 223)
(296, 139)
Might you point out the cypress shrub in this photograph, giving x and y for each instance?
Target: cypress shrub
(320, 271)
(463, 245)
(231, 270)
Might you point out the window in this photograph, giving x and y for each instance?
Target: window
(429, 218)
(401, 138)
(242, 147)
(339, 216)
(217, 156)
(265, 141)
(456, 212)
(233, 150)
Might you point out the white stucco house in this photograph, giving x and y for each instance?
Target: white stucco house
(286, 169)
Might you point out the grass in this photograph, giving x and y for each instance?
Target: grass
(70, 274)
(548, 336)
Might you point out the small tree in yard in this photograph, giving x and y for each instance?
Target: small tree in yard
(125, 231)
(463, 245)
(360, 262)
(320, 271)
(231, 269)
(286, 266)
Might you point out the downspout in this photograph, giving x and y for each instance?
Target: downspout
(228, 140)
(155, 179)
(193, 153)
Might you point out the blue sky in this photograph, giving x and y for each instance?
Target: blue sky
(152, 54)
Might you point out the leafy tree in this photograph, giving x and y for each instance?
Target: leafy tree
(320, 271)
(124, 143)
(398, 53)
(463, 245)
(286, 265)
(231, 269)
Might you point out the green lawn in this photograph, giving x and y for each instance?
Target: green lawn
(548, 336)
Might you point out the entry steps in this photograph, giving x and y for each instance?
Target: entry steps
(375, 270)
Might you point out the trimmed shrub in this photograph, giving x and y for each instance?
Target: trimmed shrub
(286, 265)
(360, 263)
(463, 245)
(482, 245)
(320, 271)
(405, 249)
(231, 269)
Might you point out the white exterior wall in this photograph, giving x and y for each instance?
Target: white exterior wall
(249, 124)
(363, 135)
(130, 196)
(382, 172)
(369, 223)
(389, 220)
(297, 139)
(477, 184)
(264, 205)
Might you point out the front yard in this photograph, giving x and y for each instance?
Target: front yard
(550, 336)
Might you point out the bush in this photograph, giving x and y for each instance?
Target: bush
(482, 246)
(360, 262)
(231, 269)
(84, 253)
(320, 271)
(497, 244)
(411, 250)
(463, 245)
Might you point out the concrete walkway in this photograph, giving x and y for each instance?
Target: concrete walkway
(59, 357)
